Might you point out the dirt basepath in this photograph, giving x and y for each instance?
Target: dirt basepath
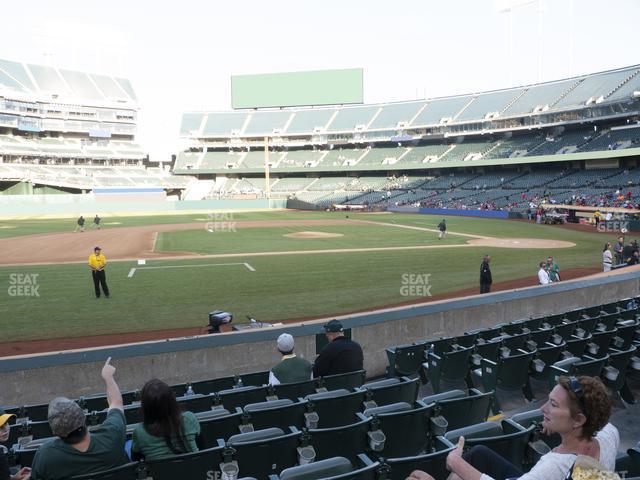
(59, 344)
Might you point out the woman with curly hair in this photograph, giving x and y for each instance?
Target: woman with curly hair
(165, 430)
(578, 409)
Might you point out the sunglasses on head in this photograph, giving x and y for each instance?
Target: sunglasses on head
(576, 387)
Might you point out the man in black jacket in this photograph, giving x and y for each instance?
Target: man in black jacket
(340, 355)
(485, 275)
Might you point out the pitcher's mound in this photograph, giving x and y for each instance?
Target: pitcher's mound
(521, 243)
(312, 235)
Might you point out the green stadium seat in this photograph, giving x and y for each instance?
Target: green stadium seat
(506, 438)
(451, 367)
(467, 340)
(21, 457)
(392, 407)
(565, 330)
(439, 345)
(486, 350)
(336, 407)
(293, 391)
(213, 385)
(535, 417)
(607, 322)
(540, 337)
(347, 440)
(614, 374)
(199, 464)
(508, 373)
(219, 423)
(407, 432)
(401, 390)
(623, 339)
(193, 403)
(434, 462)
(576, 366)
(179, 389)
(264, 452)
(577, 346)
(600, 342)
(256, 379)
(39, 429)
(405, 360)
(461, 410)
(275, 413)
(634, 454)
(546, 355)
(349, 380)
(336, 468)
(241, 396)
(129, 471)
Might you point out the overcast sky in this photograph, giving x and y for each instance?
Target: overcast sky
(180, 55)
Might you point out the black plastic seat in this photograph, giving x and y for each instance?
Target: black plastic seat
(434, 462)
(255, 379)
(192, 465)
(282, 413)
(461, 410)
(405, 360)
(295, 390)
(213, 385)
(129, 471)
(347, 440)
(336, 468)
(336, 407)
(404, 390)
(451, 367)
(222, 425)
(264, 452)
(589, 366)
(239, 397)
(614, 374)
(349, 380)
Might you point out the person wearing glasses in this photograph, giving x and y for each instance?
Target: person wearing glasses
(578, 409)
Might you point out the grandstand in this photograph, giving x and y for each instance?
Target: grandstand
(509, 137)
(63, 131)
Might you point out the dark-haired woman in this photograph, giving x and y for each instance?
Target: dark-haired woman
(165, 430)
(578, 410)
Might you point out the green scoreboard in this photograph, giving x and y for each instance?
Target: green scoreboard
(294, 89)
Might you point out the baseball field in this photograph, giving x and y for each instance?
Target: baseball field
(275, 266)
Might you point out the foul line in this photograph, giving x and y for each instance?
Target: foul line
(132, 272)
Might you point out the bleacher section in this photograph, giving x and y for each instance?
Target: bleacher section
(435, 390)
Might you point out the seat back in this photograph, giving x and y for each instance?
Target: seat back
(404, 391)
(407, 432)
(464, 411)
(602, 340)
(213, 385)
(399, 468)
(337, 410)
(129, 471)
(547, 354)
(405, 359)
(347, 441)
(281, 416)
(219, 427)
(255, 379)
(349, 380)
(195, 403)
(451, 366)
(188, 465)
(540, 337)
(239, 397)
(513, 371)
(619, 360)
(261, 457)
(296, 390)
(328, 467)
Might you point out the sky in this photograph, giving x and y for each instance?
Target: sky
(180, 55)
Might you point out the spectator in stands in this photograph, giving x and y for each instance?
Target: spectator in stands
(5, 473)
(291, 368)
(607, 257)
(340, 355)
(77, 451)
(485, 275)
(578, 409)
(634, 259)
(165, 430)
(543, 275)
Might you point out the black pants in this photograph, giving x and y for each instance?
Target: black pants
(490, 463)
(485, 287)
(100, 278)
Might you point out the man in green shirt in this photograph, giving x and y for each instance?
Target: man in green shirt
(291, 368)
(78, 451)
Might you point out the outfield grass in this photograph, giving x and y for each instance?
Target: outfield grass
(284, 286)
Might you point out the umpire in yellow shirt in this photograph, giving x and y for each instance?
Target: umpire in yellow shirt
(97, 262)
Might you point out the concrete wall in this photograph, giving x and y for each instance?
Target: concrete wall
(89, 204)
(38, 378)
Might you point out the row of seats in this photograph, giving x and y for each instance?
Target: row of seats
(599, 341)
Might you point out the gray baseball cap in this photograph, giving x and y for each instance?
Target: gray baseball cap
(65, 416)
(285, 343)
